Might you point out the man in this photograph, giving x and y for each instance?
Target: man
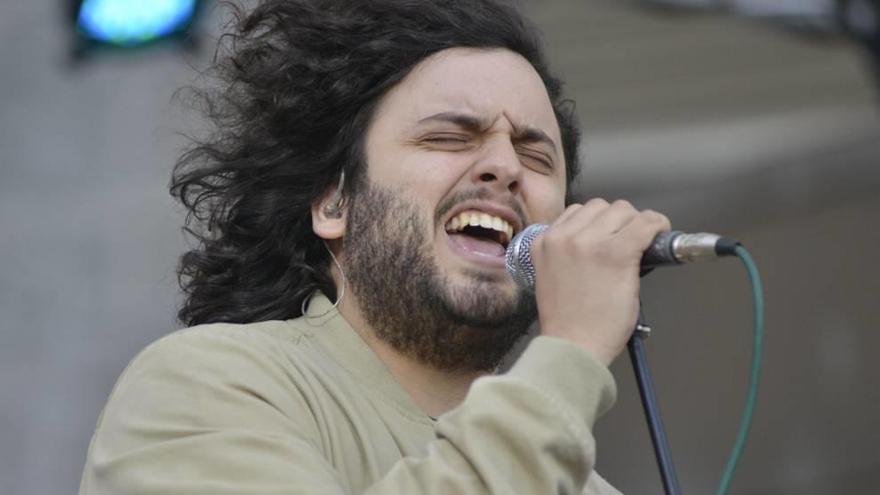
(380, 155)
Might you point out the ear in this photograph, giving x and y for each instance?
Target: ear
(329, 216)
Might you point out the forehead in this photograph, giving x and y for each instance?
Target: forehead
(489, 83)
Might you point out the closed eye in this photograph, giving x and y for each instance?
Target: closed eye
(536, 158)
(447, 141)
(446, 138)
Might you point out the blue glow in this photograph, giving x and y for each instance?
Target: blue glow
(132, 22)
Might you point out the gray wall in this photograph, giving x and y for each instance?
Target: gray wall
(89, 236)
(761, 135)
(771, 137)
(816, 427)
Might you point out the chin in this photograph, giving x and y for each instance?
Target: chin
(483, 296)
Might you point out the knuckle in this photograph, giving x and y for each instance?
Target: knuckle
(655, 217)
(573, 207)
(623, 204)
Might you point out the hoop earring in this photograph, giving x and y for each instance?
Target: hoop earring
(306, 299)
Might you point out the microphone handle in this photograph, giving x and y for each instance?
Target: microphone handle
(660, 252)
(676, 247)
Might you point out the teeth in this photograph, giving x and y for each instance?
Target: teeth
(485, 221)
(479, 219)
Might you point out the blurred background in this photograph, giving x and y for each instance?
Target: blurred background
(757, 119)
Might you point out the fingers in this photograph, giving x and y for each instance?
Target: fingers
(568, 213)
(643, 228)
(588, 265)
(578, 216)
(614, 218)
(597, 220)
(598, 216)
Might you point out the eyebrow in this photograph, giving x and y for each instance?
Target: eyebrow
(474, 124)
(462, 120)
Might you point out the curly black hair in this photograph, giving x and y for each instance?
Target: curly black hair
(299, 81)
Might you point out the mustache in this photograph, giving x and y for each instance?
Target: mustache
(482, 194)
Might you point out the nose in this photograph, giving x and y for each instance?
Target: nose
(499, 166)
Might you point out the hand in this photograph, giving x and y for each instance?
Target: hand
(587, 273)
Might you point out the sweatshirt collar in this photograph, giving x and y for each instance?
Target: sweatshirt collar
(345, 346)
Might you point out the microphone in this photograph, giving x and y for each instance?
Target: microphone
(668, 248)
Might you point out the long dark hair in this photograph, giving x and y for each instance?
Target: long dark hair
(298, 83)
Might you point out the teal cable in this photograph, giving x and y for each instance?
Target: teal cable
(746, 421)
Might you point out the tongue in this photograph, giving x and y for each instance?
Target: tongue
(478, 245)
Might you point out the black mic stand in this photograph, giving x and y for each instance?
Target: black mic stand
(652, 411)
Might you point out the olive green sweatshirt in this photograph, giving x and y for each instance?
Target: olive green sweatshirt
(305, 407)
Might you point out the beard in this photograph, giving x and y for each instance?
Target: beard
(411, 304)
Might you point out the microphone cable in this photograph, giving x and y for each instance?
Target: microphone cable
(755, 371)
(649, 402)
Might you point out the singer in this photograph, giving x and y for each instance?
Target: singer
(347, 299)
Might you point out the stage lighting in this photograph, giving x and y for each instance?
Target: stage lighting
(131, 23)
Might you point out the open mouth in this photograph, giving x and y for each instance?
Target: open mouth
(480, 234)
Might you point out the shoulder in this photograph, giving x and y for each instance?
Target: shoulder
(264, 334)
(218, 399)
(214, 369)
(261, 345)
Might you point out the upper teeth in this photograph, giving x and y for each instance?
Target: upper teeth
(479, 219)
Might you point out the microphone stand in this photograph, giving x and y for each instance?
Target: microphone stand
(649, 403)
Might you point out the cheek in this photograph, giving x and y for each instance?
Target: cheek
(547, 201)
(422, 182)
(428, 177)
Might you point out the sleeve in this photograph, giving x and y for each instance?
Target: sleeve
(203, 415)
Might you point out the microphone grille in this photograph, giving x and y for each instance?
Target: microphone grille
(518, 259)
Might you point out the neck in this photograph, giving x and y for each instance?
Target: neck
(432, 390)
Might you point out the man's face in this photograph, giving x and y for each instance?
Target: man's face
(461, 155)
